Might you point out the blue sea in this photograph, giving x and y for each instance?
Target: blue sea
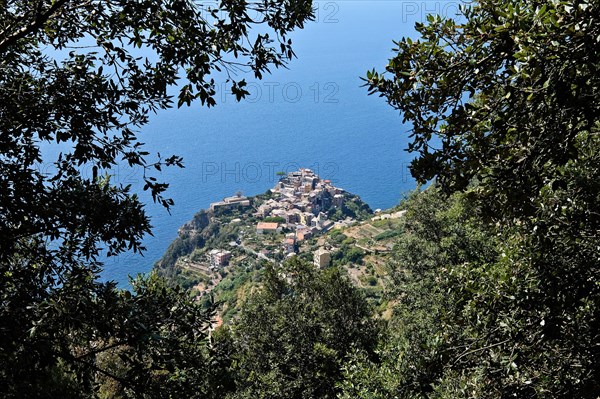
(314, 114)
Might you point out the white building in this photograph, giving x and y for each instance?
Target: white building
(322, 258)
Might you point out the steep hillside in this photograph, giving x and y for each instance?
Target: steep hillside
(222, 250)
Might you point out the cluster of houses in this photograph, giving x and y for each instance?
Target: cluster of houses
(300, 202)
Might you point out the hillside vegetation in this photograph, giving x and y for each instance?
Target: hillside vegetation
(188, 263)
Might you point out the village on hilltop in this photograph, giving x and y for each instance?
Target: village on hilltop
(298, 204)
(302, 199)
(301, 215)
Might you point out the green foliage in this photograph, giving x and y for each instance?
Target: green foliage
(386, 235)
(169, 351)
(352, 207)
(204, 231)
(182, 245)
(336, 234)
(348, 254)
(478, 313)
(120, 350)
(274, 219)
(372, 281)
(502, 109)
(292, 338)
(71, 76)
(506, 94)
(437, 235)
(227, 291)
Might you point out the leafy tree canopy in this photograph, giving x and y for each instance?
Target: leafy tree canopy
(504, 95)
(292, 338)
(503, 106)
(84, 76)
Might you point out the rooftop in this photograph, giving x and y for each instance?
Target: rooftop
(267, 226)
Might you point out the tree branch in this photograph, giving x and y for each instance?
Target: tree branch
(40, 20)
